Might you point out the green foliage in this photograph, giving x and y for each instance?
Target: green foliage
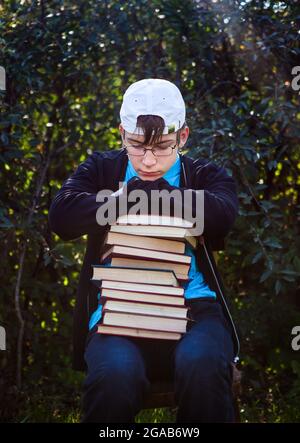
(67, 66)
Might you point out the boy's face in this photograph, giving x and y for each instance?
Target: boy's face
(149, 167)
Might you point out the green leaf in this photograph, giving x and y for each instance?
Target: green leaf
(273, 243)
(257, 257)
(278, 287)
(265, 275)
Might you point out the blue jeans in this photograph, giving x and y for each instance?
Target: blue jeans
(120, 370)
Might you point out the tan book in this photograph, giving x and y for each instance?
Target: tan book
(117, 294)
(146, 308)
(181, 271)
(144, 288)
(151, 219)
(140, 241)
(146, 254)
(135, 332)
(143, 321)
(167, 232)
(146, 276)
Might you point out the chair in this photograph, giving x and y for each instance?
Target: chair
(161, 395)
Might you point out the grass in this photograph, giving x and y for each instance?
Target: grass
(65, 407)
(158, 415)
(47, 414)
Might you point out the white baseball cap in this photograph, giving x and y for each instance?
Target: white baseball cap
(153, 96)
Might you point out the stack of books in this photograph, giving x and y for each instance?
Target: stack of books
(143, 268)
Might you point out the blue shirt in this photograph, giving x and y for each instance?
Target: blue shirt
(196, 286)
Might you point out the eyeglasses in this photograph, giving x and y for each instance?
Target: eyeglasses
(138, 151)
(157, 151)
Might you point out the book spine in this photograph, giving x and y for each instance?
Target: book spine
(147, 315)
(103, 298)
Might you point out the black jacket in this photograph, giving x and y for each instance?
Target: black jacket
(73, 214)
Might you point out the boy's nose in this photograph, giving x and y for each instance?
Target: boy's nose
(149, 158)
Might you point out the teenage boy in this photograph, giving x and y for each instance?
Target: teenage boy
(119, 369)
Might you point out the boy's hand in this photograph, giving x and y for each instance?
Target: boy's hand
(136, 183)
(146, 185)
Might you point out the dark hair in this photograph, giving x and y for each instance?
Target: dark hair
(152, 127)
